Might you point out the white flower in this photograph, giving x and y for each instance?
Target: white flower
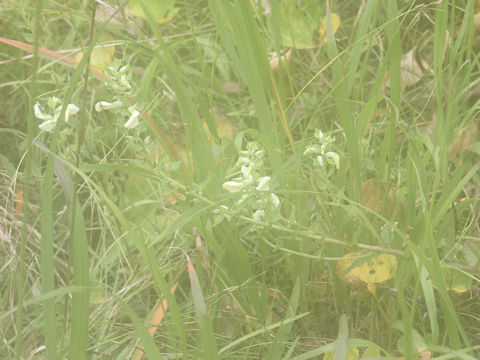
(132, 122)
(275, 200)
(244, 160)
(320, 160)
(39, 113)
(313, 149)
(105, 105)
(233, 186)
(246, 169)
(222, 213)
(50, 120)
(263, 183)
(333, 158)
(48, 125)
(71, 110)
(258, 214)
(318, 134)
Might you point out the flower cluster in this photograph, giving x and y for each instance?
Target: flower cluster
(50, 117)
(254, 188)
(323, 150)
(118, 83)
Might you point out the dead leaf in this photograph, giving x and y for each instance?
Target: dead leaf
(105, 12)
(281, 66)
(285, 59)
(231, 87)
(373, 197)
(463, 140)
(424, 354)
(18, 201)
(265, 6)
(411, 72)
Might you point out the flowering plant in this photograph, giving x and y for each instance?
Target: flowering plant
(322, 150)
(50, 117)
(118, 83)
(251, 185)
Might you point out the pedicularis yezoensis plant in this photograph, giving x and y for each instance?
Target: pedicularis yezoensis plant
(251, 187)
(322, 150)
(50, 116)
(118, 84)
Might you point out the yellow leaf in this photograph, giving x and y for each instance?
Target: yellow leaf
(225, 126)
(101, 55)
(375, 270)
(456, 280)
(322, 29)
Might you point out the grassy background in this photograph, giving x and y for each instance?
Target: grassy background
(109, 214)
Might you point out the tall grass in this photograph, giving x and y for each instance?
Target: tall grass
(117, 220)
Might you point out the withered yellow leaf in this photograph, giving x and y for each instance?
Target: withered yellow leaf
(100, 56)
(322, 29)
(374, 270)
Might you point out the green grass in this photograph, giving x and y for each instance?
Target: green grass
(113, 218)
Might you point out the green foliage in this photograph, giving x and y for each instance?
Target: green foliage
(296, 159)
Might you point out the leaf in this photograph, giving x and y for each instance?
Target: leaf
(225, 127)
(465, 138)
(302, 27)
(265, 6)
(373, 197)
(455, 280)
(376, 270)
(101, 55)
(411, 70)
(161, 10)
(322, 29)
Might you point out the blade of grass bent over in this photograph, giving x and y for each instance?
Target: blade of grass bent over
(158, 312)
